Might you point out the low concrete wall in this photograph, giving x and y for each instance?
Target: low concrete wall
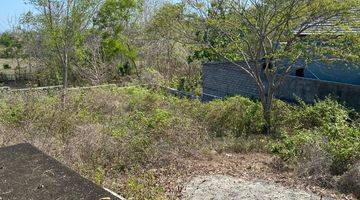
(51, 88)
(226, 79)
(310, 89)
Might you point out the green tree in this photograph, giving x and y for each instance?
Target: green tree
(266, 36)
(80, 39)
(11, 44)
(59, 26)
(169, 38)
(107, 51)
(111, 21)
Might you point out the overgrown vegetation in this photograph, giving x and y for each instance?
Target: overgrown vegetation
(104, 133)
(322, 141)
(116, 136)
(91, 42)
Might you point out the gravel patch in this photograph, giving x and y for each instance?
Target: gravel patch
(219, 187)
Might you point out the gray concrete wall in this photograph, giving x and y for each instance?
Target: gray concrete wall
(225, 79)
(336, 72)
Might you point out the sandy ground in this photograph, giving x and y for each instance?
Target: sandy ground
(218, 187)
(224, 175)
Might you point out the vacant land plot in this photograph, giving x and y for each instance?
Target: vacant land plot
(145, 144)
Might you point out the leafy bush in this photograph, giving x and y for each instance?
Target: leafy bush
(237, 116)
(344, 145)
(143, 185)
(289, 147)
(11, 113)
(327, 123)
(322, 113)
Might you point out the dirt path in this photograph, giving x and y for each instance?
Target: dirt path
(218, 187)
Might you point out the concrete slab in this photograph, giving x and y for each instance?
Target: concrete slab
(27, 173)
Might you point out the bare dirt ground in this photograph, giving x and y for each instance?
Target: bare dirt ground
(247, 171)
(218, 187)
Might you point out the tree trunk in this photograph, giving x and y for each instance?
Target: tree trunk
(267, 108)
(65, 79)
(267, 97)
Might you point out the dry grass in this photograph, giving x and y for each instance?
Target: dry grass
(350, 181)
(315, 165)
(145, 144)
(104, 133)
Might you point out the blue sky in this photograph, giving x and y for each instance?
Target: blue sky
(10, 11)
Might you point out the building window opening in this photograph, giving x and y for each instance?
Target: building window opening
(300, 72)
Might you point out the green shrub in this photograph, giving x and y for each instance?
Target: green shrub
(99, 175)
(320, 114)
(236, 116)
(289, 147)
(139, 150)
(11, 112)
(143, 185)
(159, 118)
(282, 117)
(327, 123)
(187, 84)
(344, 145)
(142, 98)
